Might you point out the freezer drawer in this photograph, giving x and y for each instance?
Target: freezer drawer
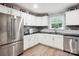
(12, 50)
(4, 51)
(8, 50)
(19, 47)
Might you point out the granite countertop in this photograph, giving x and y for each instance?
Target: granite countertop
(61, 32)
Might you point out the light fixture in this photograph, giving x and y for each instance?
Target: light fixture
(35, 6)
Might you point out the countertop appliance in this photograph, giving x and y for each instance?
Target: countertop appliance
(11, 35)
(71, 44)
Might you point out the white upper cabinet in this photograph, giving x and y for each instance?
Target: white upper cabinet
(44, 21)
(41, 21)
(5, 10)
(38, 21)
(27, 19)
(72, 17)
(24, 16)
(31, 20)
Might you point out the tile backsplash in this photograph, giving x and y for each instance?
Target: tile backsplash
(35, 29)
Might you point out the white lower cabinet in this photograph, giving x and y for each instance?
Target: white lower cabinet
(46, 39)
(26, 41)
(58, 41)
(30, 40)
(52, 40)
(34, 40)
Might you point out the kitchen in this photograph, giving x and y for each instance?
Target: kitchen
(39, 29)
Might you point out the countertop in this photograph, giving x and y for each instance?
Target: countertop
(60, 32)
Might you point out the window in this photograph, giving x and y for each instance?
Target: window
(56, 21)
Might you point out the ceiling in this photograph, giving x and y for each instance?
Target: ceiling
(46, 7)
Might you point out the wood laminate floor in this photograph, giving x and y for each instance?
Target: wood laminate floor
(41, 50)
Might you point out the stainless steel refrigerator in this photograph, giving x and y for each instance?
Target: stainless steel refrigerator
(11, 35)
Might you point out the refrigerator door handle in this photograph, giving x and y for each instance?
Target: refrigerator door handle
(13, 29)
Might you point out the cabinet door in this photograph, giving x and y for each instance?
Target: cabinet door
(39, 21)
(26, 42)
(41, 38)
(24, 16)
(29, 20)
(72, 17)
(34, 39)
(49, 40)
(58, 41)
(44, 21)
(37, 38)
(33, 20)
(31, 40)
(46, 39)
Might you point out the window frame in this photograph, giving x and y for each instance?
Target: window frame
(51, 17)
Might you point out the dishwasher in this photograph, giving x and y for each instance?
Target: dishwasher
(71, 44)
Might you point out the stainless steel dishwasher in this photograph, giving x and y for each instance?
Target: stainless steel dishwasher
(71, 44)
